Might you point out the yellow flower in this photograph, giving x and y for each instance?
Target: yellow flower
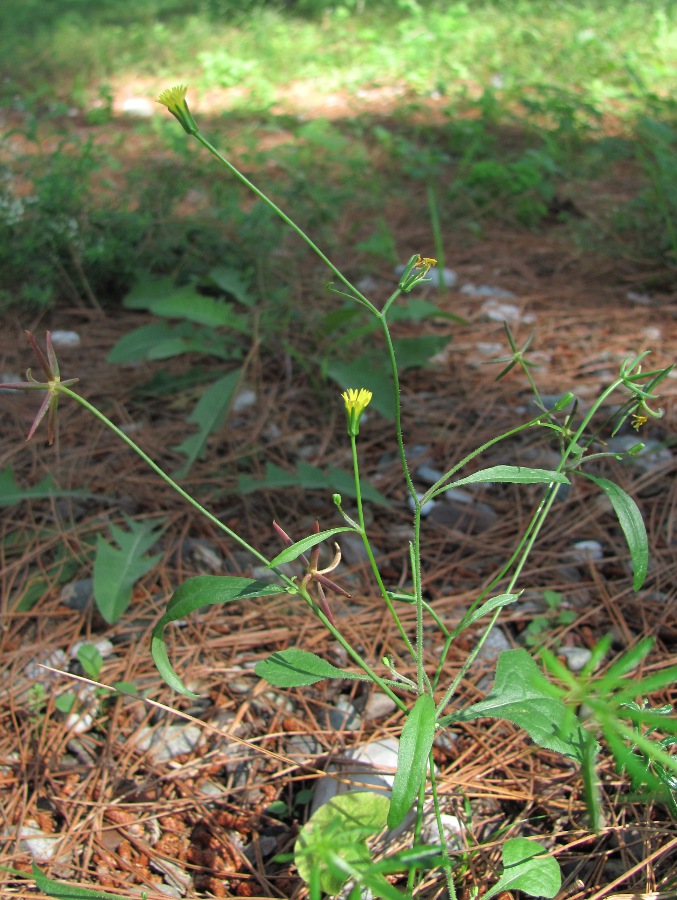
(174, 98)
(638, 420)
(425, 262)
(356, 401)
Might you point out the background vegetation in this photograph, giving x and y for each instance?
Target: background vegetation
(535, 107)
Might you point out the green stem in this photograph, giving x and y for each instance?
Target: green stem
(172, 484)
(437, 235)
(367, 547)
(443, 844)
(301, 592)
(290, 222)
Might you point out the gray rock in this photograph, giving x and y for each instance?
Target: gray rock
(244, 399)
(587, 551)
(576, 657)
(470, 518)
(454, 832)
(378, 705)
(64, 339)
(168, 741)
(486, 290)
(494, 645)
(78, 595)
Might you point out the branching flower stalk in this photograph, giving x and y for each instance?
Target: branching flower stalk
(422, 719)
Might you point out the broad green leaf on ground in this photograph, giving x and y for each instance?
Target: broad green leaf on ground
(162, 297)
(295, 550)
(310, 478)
(67, 892)
(526, 867)
(632, 525)
(198, 593)
(508, 475)
(414, 352)
(209, 415)
(339, 828)
(522, 695)
(366, 370)
(416, 742)
(90, 659)
(294, 667)
(118, 568)
(230, 281)
(11, 493)
(162, 340)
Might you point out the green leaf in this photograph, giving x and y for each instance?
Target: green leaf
(117, 569)
(522, 695)
(488, 606)
(414, 352)
(416, 742)
(527, 869)
(230, 281)
(509, 475)
(65, 891)
(198, 593)
(632, 525)
(91, 660)
(162, 297)
(310, 478)
(339, 828)
(293, 667)
(368, 370)
(209, 415)
(162, 340)
(11, 493)
(65, 702)
(295, 550)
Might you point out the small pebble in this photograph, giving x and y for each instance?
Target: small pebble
(427, 507)
(453, 830)
(494, 645)
(587, 551)
(486, 290)
(64, 339)
(244, 399)
(138, 106)
(166, 742)
(576, 657)
(378, 706)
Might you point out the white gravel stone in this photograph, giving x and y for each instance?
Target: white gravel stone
(576, 657)
(588, 551)
(379, 705)
(65, 339)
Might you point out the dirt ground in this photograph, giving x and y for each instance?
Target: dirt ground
(198, 824)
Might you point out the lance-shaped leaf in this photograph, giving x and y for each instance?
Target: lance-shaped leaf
(412, 759)
(66, 891)
(508, 475)
(299, 547)
(522, 695)
(632, 524)
(294, 667)
(198, 593)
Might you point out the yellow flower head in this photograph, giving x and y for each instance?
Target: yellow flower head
(356, 402)
(425, 262)
(174, 98)
(638, 420)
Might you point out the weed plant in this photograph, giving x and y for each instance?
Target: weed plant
(332, 848)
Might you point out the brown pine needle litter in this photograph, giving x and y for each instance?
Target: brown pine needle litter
(120, 818)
